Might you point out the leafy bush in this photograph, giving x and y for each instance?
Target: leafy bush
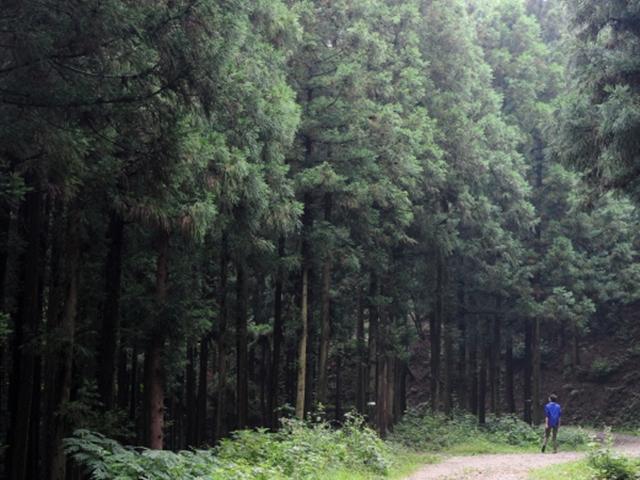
(511, 430)
(572, 437)
(298, 451)
(609, 465)
(602, 368)
(104, 458)
(422, 429)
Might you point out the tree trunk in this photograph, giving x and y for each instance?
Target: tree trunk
(192, 411)
(290, 374)
(575, 346)
(361, 360)
(508, 380)
(472, 373)
(26, 324)
(373, 347)
(434, 358)
(171, 440)
(494, 366)
(462, 381)
(484, 353)
(338, 415)
(5, 227)
(154, 386)
(304, 303)
(56, 296)
(391, 391)
(527, 371)
(264, 380)
(123, 379)
(242, 368)
(468, 355)
(221, 410)
(302, 345)
(400, 391)
(381, 370)
(325, 327)
(312, 360)
(534, 354)
(154, 371)
(133, 397)
(108, 345)
(63, 357)
(445, 326)
(272, 404)
(381, 402)
(35, 443)
(535, 390)
(447, 386)
(202, 407)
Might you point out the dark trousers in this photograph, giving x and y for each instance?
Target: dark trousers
(553, 431)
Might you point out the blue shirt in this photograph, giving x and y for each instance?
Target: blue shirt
(553, 412)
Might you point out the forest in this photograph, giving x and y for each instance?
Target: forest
(226, 225)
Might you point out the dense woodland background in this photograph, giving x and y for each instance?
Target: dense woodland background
(215, 213)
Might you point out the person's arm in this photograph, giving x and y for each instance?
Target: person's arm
(559, 416)
(546, 417)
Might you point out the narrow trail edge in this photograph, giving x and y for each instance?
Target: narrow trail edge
(510, 466)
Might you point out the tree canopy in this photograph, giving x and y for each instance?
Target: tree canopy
(215, 214)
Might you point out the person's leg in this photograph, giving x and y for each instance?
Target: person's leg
(547, 431)
(555, 439)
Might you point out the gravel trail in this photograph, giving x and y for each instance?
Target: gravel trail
(512, 466)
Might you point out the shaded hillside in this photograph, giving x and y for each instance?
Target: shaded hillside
(604, 389)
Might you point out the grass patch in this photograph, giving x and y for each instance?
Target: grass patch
(579, 470)
(403, 461)
(483, 445)
(423, 430)
(602, 463)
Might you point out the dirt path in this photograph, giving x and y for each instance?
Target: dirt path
(514, 466)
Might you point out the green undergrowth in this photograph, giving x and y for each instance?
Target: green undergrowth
(404, 462)
(312, 451)
(565, 471)
(298, 451)
(460, 434)
(602, 463)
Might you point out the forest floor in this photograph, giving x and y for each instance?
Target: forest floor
(512, 466)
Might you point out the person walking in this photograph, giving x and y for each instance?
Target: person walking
(552, 414)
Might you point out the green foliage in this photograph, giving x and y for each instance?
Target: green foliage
(573, 437)
(600, 115)
(573, 470)
(297, 451)
(87, 411)
(602, 368)
(419, 157)
(302, 451)
(106, 459)
(609, 465)
(511, 430)
(423, 430)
